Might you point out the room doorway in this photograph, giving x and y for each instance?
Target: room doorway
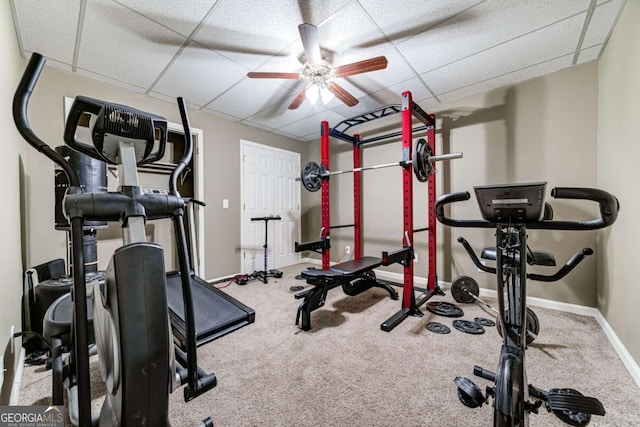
(269, 188)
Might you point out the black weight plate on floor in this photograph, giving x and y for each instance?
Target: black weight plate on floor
(469, 327)
(462, 287)
(484, 321)
(438, 328)
(573, 418)
(445, 309)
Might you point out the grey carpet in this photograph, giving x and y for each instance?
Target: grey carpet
(347, 372)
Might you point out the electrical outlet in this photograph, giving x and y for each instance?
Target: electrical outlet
(347, 249)
(415, 257)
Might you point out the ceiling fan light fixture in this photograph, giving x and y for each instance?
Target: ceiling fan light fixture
(312, 94)
(326, 95)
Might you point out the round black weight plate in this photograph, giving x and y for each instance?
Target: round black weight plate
(462, 287)
(310, 177)
(445, 309)
(468, 327)
(438, 328)
(573, 418)
(533, 326)
(421, 165)
(484, 321)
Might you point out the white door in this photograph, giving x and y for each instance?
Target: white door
(269, 189)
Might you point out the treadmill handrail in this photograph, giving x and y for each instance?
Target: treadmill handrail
(608, 203)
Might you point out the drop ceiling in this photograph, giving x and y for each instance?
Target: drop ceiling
(202, 50)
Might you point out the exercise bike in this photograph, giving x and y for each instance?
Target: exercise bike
(511, 210)
(138, 360)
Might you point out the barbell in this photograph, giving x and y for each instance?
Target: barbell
(312, 173)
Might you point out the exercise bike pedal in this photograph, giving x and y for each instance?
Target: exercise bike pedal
(572, 407)
(469, 394)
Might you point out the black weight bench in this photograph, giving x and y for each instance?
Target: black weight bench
(355, 277)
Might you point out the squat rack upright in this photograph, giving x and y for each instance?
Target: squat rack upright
(409, 110)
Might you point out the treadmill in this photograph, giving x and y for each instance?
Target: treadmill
(216, 313)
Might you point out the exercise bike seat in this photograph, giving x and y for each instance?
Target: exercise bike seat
(533, 257)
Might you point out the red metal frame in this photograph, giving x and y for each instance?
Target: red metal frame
(432, 275)
(408, 297)
(357, 200)
(326, 212)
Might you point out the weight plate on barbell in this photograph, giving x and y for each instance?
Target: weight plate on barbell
(468, 327)
(438, 328)
(310, 176)
(421, 160)
(463, 288)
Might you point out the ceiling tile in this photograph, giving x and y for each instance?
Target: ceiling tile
(508, 57)
(601, 23)
(109, 27)
(39, 20)
(508, 79)
(589, 54)
(213, 73)
(182, 16)
(399, 25)
(107, 79)
(488, 24)
(256, 94)
(311, 125)
(277, 116)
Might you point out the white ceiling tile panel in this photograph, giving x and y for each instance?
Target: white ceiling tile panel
(399, 25)
(489, 24)
(601, 23)
(221, 114)
(310, 125)
(250, 96)
(51, 62)
(107, 79)
(508, 79)
(250, 32)
(39, 20)
(589, 54)
(277, 116)
(508, 57)
(212, 72)
(182, 16)
(121, 44)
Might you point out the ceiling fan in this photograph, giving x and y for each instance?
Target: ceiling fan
(320, 73)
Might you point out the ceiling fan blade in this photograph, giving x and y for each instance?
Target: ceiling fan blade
(298, 99)
(311, 43)
(260, 75)
(342, 94)
(372, 64)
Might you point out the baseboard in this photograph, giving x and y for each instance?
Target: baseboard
(632, 366)
(17, 380)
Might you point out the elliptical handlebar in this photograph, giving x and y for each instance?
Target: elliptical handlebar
(609, 207)
(20, 117)
(188, 148)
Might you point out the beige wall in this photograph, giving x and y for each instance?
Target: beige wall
(221, 167)
(541, 130)
(11, 169)
(618, 172)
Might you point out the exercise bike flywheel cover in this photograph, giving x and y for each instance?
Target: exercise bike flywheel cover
(468, 326)
(445, 309)
(437, 328)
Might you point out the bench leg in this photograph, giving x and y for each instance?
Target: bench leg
(392, 292)
(314, 299)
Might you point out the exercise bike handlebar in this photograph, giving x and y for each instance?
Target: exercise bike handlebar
(608, 203)
(20, 118)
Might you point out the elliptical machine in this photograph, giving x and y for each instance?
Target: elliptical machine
(512, 209)
(131, 320)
